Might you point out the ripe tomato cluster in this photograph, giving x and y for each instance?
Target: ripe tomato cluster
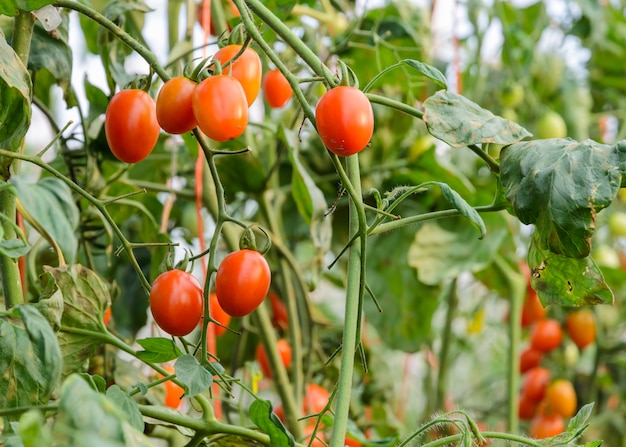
(242, 282)
(544, 400)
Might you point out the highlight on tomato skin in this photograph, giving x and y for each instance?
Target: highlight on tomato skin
(130, 125)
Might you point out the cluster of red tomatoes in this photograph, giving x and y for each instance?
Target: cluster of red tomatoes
(241, 283)
(218, 105)
(544, 400)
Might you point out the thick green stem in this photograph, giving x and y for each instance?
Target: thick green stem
(354, 293)
(442, 377)
(517, 287)
(9, 269)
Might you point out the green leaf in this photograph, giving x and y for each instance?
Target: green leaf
(262, 415)
(30, 359)
(459, 122)
(158, 350)
(85, 297)
(566, 281)
(459, 203)
(560, 185)
(429, 71)
(52, 53)
(96, 382)
(399, 292)
(14, 248)
(126, 404)
(193, 375)
(15, 91)
(11, 9)
(442, 250)
(50, 203)
(86, 417)
(33, 429)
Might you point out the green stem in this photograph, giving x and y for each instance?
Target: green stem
(446, 337)
(118, 32)
(96, 203)
(452, 440)
(399, 223)
(517, 287)
(354, 297)
(392, 103)
(9, 269)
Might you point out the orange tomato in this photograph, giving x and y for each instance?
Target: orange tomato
(561, 398)
(581, 327)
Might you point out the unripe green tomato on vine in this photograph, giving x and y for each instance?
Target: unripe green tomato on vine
(551, 125)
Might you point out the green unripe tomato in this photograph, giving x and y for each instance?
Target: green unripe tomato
(617, 224)
(512, 95)
(551, 125)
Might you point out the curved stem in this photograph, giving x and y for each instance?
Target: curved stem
(133, 43)
(96, 203)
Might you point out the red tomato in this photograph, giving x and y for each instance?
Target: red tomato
(242, 282)
(246, 68)
(131, 126)
(581, 327)
(276, 89)
(220, 107)
(529, 358)
(546, 335)
(107, 316)
(351, 442)
(546, 426)
(284, 351)
(315, 399)
(532, 309)
(173, 392)
(173, 106)
(561, 398)
(526, 407)
(176, 302)
(535, 382)
(218, 314)
(345, 120)
(280, 319)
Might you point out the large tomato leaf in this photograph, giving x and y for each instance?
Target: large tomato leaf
(30, 359)
(566, 281)
(11, 9)
(443, 250)
(193, 375)
(400, 293)
(158, 350)
(86, 417)
(52, 53)
(126, 404)
(85, 297)
(459, 122)
(560, 185)
(262, 415)
(15, 91)
(50, 203)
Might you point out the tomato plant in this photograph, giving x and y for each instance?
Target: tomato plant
(218, 314)
(131, 125)
(284, 351)
(276, 88)
(173, 105)
(176, 302)
(219, 105)
(581, 327)
(546, 335)
(245, 67)
(546, 426)
(561, 398)
(345, 120)
(242, 282)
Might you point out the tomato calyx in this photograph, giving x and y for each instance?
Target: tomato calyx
(248, 240)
